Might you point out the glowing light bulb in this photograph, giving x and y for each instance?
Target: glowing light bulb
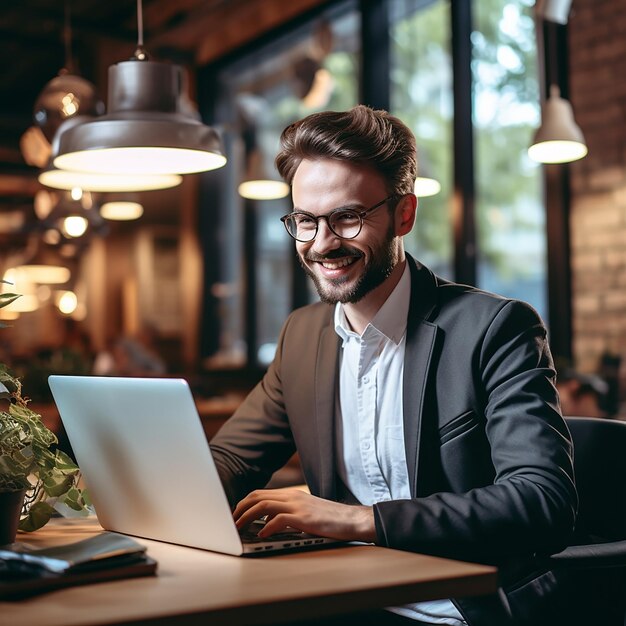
(75, 226)
(67, 302)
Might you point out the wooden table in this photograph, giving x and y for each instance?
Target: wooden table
(200, 587)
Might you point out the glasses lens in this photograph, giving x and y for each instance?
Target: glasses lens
(345, 224)
(301, 226)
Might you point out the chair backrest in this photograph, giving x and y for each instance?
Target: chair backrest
(600, 469)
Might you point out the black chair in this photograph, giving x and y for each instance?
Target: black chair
(594, 565)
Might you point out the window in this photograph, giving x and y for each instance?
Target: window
(255, 278)
(509, 205)
(510, 217)
(314, 67)
(421, 96)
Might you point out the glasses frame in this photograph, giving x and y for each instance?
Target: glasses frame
(360, 214)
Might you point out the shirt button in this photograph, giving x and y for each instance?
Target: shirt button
(366, 445)
(366, 379)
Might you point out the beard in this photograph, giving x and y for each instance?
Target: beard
(375, 272)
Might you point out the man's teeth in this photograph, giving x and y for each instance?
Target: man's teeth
(337, 264)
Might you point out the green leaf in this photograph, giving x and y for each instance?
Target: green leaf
(86, 497)
(26, 454)
(38, 515)
(74, 500)
(56, 484)
(8, 298)
(64, 462)
(7, 378)
(14, 467)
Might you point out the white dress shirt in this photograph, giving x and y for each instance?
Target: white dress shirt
(369, 429)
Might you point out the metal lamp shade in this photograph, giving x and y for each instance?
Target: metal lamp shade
(558, 139)
(144, 131)
(257, 185)
(63, 97)
(56, 178)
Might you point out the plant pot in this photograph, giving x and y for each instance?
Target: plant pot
(10, 508)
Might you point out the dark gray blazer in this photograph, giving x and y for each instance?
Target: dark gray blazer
(488, 453)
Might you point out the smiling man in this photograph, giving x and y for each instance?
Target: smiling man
(424, 412)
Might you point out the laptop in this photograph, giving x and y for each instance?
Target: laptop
(145, 459)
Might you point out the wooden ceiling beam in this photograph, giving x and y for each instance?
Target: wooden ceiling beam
(159, 14)
(214, 30)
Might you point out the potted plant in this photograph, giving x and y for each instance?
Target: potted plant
(35, 478)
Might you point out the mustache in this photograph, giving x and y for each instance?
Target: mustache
(339, 253)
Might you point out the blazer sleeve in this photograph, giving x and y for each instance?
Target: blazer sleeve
(530, 507)
(256, 440)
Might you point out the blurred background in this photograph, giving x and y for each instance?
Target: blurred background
(196, 279)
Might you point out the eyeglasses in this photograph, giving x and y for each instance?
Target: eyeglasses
(343, 223)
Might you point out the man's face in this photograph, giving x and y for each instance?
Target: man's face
(345, 270)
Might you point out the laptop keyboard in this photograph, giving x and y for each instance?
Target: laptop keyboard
(250, 534)
(285, 540)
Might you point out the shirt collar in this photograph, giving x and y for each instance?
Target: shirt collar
(392, 316)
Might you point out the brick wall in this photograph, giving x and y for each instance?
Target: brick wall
(597, 44)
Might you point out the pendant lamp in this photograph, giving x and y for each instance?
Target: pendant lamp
(73, 216)
(121, 207)
(63, 97)
(558, 139)
(65, 101)
(37, 273)
(121, 210)
(92, 181)
(425, 186)
(66, 95)
(144, 130)
(257, 185)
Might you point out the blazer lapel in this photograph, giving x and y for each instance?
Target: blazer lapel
(420, 342)
(326, 376)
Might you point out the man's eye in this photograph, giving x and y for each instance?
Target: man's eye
(345, 217)
(304, 221)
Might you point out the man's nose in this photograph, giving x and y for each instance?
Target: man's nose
(325, 239)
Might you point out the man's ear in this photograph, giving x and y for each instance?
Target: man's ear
(405, 214)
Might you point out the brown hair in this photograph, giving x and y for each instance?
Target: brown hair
(361, 135)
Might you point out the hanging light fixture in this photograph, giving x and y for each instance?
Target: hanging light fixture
(66, 95)
(257, 185)
(66, 301)
(558, 139)
(144, 130)
(65, 101)
(90, 181)
(73, 216)
(101, 183)
(62, 98)
(263, 189)
(426, 185)
(121, 210)
(37, 273)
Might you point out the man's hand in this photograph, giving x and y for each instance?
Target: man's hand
(293, 508)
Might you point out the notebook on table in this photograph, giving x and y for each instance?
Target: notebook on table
(141, 448)
(27, 571)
